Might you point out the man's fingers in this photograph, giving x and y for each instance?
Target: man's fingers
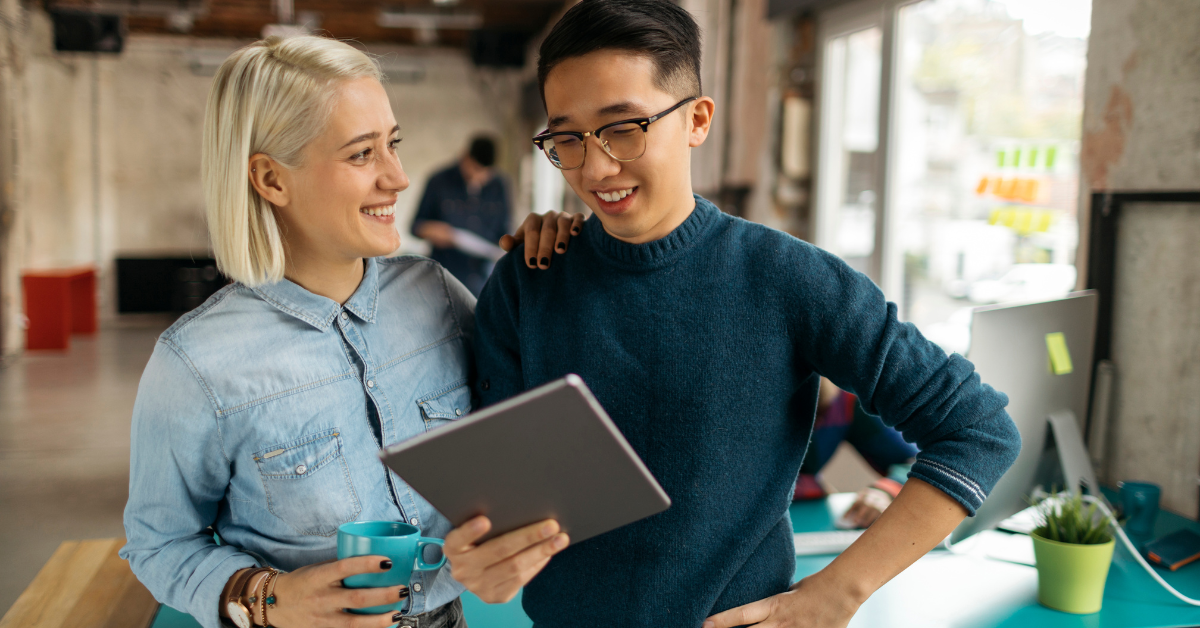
(564, 233)
(462, 539)
(517, 541)
(508, 243)
(545, 246)
(524, 565)
(576, 224)
(741, 616)
(503, 592)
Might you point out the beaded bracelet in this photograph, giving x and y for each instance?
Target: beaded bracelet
(265, 600)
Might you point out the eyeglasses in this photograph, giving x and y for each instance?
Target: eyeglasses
(624, 140)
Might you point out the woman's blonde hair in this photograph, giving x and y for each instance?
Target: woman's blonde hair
(273, 97)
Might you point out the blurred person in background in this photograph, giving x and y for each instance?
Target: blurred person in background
(465, 209)
(841, 418)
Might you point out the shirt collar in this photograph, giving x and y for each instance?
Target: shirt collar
(320, 311)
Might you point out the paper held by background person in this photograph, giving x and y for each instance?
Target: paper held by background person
(476, 246)
(549, 453)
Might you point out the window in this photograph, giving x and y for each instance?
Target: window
(967, 193)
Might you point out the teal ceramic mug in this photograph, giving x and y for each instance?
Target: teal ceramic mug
(399, 542)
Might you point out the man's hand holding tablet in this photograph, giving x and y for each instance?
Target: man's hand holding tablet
(496, 570)
(551, 456)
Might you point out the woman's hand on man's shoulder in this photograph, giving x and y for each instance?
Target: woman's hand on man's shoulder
(544, 235)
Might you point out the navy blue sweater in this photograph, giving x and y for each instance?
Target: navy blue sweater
(705, 347)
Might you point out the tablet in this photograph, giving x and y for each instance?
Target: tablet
(549, 453)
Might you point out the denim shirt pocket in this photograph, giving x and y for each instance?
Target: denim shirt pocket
(445, 405)
(307, 483)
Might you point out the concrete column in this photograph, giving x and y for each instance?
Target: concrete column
(1141, 131)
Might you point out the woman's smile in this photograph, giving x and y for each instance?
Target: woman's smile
(382, 212)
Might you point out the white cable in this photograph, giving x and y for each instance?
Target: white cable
(1138, 555)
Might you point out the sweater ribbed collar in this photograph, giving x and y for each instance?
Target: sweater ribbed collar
(659, 252)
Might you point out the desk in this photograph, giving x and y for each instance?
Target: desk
(944, 590)
(947, 590)
(83, 585)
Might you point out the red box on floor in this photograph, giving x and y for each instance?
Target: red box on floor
(58, 303)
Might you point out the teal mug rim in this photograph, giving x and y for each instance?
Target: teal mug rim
(345, 528)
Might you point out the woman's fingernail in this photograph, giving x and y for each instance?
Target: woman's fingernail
(385, 564)
(403, 592)
(547, 530)
(574, 232)
(560, 542)
(397, 617)
(545, 261)
(533, 261)
(561, 247)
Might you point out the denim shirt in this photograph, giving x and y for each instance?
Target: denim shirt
(261, 413)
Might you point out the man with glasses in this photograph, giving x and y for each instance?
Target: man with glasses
(704, 337)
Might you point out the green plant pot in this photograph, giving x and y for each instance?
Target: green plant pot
(1071, 576)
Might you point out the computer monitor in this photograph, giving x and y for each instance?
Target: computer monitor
(1010, 352)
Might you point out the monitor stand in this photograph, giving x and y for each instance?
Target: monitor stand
(1072, 454)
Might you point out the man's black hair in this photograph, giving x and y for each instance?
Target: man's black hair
(483, 151)
(658, 29)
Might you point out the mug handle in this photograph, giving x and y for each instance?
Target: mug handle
(421, 564)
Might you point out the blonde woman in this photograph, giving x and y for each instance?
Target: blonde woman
(260, 412)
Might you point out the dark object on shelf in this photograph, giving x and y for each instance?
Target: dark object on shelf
(499, 48)
(85, 31)
(778, 8)
(166, 284)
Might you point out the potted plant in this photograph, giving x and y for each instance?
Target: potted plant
(1073, 549)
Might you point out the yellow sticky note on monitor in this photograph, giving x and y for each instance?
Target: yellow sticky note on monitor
(1060, 356)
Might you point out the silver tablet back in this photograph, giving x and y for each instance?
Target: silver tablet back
(550, 453)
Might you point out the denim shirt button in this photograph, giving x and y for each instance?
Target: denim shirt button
(300, 469)
(345, 316)
(370, 383)
(414, 521)
(417, 587)
(457, 412)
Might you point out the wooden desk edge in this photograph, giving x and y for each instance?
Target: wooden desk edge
(84, 584)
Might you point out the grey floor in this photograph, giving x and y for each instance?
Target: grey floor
(64, 445)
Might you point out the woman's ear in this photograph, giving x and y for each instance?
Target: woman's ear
(701, 120)
(265, 177)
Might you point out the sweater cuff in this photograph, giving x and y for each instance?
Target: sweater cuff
(963, 489)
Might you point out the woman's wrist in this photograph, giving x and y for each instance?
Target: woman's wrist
(252, 598)
(228, 589)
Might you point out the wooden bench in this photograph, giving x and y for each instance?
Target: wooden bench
(83, 585)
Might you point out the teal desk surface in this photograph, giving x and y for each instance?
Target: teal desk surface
(945, 590)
